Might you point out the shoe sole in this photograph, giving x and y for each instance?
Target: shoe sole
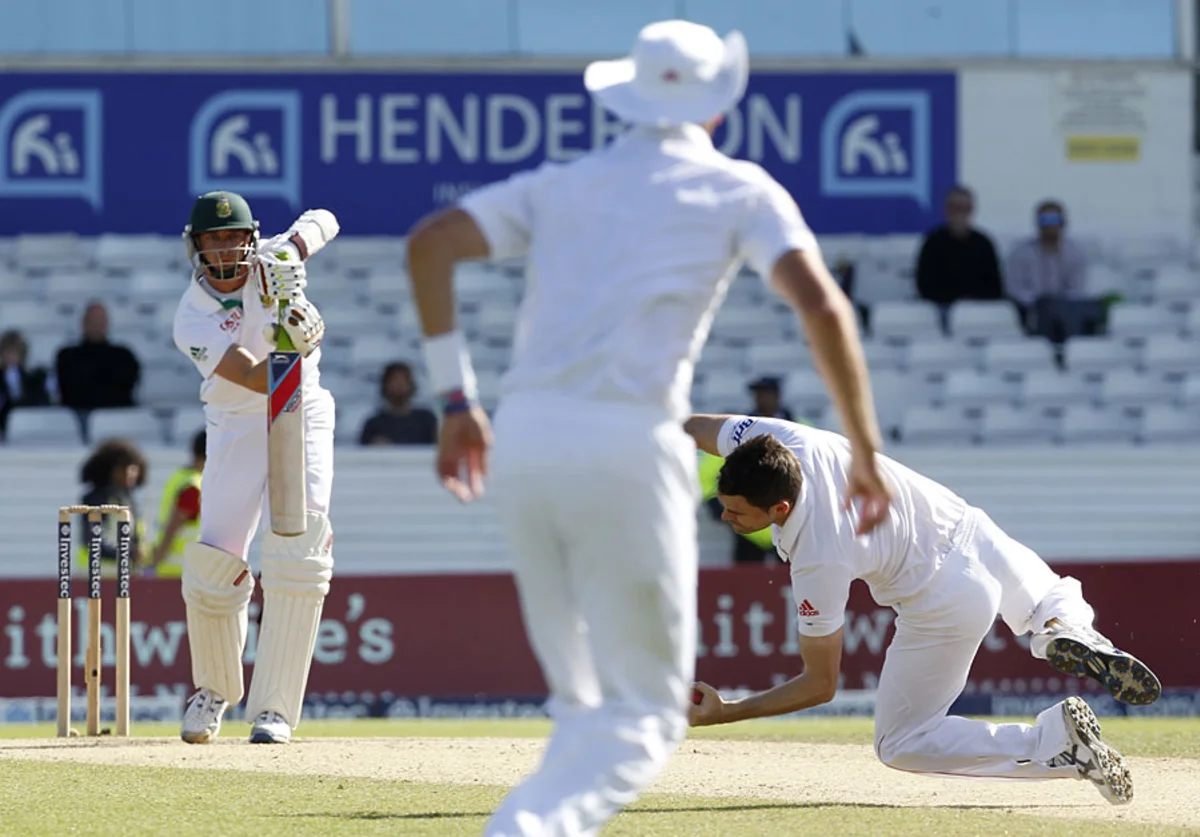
(261, 737)
(1116, 784)
(1126, 677)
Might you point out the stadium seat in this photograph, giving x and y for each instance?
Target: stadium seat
(1192, 326)
(1103, 280)
(1082, 424)
(1189, 393)
(978, 320)
(388, 287)
(480, 283)
(351, 415)
(1129, 320)
(968, 388)
(43, 253)
(905, 321)
(74, 285)
(1171, 353)
(367, 254)
(1164, 423)
(185, 423)
(489, 388)
(1175, 284)
(372, 351)
(127, 253)
(876, 284)
(938, 356)
(804, 390)
(138, 424)
(494, 321)
(895, 392)
(882, 355)
(745, 323)
(43, 426)
(777, 358)
(1019, 355)
(722, 392)
(28, 315)
(1099, 354)
(1129, 388)
(1006, 424)
(936, 425)
(167, 386)
(157, 285)
(1054, 389)
(716, 356)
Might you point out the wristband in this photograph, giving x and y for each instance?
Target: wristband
(455, 402)
(449, 365)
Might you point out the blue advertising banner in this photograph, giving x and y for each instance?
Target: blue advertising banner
(126, 152)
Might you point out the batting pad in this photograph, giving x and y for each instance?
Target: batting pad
(295, 580)
(216, 587)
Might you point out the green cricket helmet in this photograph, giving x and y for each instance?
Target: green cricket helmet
(215, 212)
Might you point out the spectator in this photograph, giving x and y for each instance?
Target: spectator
(767, 402)
(115, 468)
(1048, 266)
(398, 422)
(179, 514)
(957, 261)
(19, 385)
(96, 373)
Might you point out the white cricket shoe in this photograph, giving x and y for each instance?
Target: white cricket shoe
(270, 728)
(1084, 652)
(202, 720)
(1100, 764)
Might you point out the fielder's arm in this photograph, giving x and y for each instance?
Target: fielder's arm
(822, 657)
(435, 246)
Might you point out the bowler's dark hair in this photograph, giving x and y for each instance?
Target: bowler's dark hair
(110, 455)
(763, 471)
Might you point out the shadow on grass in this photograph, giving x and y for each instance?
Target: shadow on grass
(683, 809)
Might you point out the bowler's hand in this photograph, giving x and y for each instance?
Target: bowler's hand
(462, 453)
(708, 710)
(867, 486)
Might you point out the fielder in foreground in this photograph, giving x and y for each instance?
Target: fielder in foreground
(948, 570)
(629, 252)
(226, 324)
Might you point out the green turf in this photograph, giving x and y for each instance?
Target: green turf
(42, 799)
(1179, 737)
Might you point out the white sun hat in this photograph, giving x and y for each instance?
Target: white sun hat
(678, 72)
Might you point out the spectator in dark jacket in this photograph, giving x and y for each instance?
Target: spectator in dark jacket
(20, 386)
(96, 373)
(399, 423)
(957, 261)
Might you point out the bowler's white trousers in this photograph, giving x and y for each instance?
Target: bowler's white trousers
(598, 502)
(938, 633)
(235, 470)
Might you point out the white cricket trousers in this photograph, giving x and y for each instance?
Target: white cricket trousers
(598, 502)
(938, 633)
(234, 486)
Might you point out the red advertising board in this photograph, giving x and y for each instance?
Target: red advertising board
(459, 637)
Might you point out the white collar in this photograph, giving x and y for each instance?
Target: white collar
(788, 534)
(689, 131)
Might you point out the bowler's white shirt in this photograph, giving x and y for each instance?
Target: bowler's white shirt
(926, 521)
(630, 251)
(205, 328)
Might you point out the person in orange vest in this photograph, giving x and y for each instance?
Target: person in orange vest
(178, 515)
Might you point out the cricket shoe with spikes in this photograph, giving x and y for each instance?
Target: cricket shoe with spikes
(1086, 653)
(1100, 764)
(270, 728)
(202, 718)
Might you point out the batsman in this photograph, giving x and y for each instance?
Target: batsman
(246, 302)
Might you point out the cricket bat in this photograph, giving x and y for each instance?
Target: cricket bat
(286, 485)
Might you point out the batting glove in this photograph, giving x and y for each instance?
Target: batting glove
(302, 322)
(281, 278)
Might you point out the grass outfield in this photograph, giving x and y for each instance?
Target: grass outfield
(327, 784)
(1162, 737)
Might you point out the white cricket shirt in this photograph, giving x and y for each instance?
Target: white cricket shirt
(205, 328)
(926, 521)
(630, 250)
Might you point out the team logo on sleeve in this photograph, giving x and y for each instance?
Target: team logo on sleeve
(53, 145)
(247, 141)
(198, 353)
(739, 430)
